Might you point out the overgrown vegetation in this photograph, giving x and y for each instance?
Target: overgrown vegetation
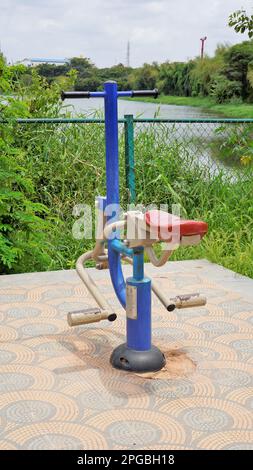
(173, 176)
(25, 218)
(234, 146)
(46, 170)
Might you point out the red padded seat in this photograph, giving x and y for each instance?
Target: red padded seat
(163, 223)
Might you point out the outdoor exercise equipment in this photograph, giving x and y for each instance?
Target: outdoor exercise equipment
(126, 239)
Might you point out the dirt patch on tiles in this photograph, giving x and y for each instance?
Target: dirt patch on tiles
(178, 364)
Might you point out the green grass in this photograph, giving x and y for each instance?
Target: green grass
(207, 104)
(238, 111)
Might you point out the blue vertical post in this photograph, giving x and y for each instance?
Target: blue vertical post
(112, 181)
(111, 142)
(139, 328)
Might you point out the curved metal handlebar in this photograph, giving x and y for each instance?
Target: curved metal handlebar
(101, 94)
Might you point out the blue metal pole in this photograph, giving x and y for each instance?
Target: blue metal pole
(138, 263)
(111, 143)
(118, 246)
(112, 183)
(139, 328)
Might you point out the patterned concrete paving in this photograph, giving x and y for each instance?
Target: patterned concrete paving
(58, 391)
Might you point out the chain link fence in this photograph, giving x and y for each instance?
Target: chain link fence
(151, 147)
(218, 144)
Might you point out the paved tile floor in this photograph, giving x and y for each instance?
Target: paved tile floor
(58, 390)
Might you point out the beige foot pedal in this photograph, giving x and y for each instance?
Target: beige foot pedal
(187, 301)
(89, 315)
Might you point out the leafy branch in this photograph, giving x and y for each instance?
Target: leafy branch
(241, 22)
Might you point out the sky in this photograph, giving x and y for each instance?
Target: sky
(158, 30)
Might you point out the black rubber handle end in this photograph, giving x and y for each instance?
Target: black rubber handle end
(156, 93)
(74, 94)
(141, 93)
(112, 317)
(171, 307)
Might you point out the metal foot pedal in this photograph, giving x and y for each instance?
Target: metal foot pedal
(89, 315)
(187, 301)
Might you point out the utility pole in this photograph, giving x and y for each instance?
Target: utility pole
(202, 46)
(128, 54)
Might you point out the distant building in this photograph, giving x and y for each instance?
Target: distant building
(41, 60)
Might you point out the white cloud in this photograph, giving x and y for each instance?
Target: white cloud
(157, 29)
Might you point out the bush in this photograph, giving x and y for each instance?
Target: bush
(24, 220)
(224, 90)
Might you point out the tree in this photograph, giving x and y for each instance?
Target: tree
(118, 72)
(241, 22)
(174, 78)
(145, 77)
(237, 61)
(203, 72)
(224, 90)
(51, 71)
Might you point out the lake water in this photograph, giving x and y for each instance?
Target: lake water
(137, 108)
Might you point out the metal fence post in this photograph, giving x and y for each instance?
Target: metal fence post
(129, 156)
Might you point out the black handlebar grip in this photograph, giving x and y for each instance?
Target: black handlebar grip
(140, 93)
(74, 94)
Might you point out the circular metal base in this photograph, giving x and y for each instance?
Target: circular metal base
(138, 361)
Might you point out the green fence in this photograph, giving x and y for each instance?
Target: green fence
(218, 145)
